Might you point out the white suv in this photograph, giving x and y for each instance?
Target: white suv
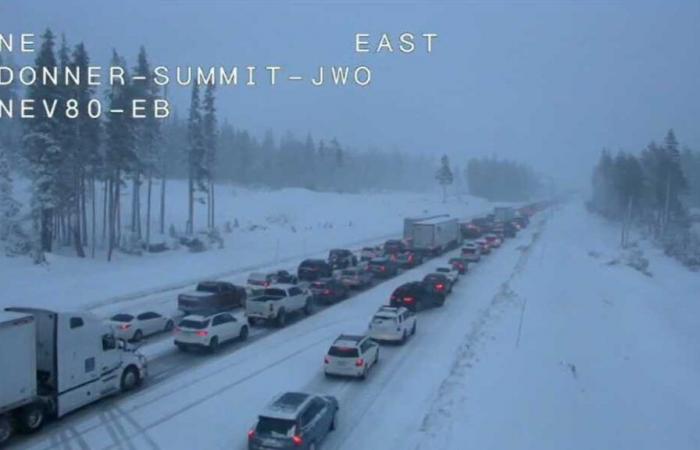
(351, 355)
(392, 323)
(209, 331)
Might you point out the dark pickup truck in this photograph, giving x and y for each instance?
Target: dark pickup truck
(212, 296)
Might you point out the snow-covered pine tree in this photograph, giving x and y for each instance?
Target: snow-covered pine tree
(210, 139)
(42, 149)
(11, 235)
(444, 176)
(197, 173)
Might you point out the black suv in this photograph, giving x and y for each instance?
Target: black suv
(313, 269)
(438, 285)
(294, 420)
(414, 296)
(383, 267)
(394, 246)
(329, 290)
(341, 258)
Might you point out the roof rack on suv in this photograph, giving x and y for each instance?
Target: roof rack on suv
(350, 337)
(388, 308)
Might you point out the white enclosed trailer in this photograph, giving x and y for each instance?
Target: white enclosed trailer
(435, 235)
(57, 362)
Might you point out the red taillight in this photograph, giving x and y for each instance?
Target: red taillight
(327, 292)
(126, 326)
(409, 300)
(177, 330)
(439, 286)
(360, 362)
(410, 258)
(297, 440)
(382, 268)
(251, 435)
(326, 360)
(203, 333)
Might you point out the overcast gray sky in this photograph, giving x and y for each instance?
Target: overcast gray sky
(549, 82)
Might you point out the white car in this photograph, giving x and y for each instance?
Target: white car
(471, 252)
(277, 302)
(392, 323)
(351, 355)
(132, 327)
(450, 272)
(209, 331)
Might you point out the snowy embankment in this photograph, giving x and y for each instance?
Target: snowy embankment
(275, 228)
(578, 352)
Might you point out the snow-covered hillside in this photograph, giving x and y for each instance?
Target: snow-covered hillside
(274, 227)
(545, 344)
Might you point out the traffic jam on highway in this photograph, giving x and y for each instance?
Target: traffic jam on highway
(65, 360)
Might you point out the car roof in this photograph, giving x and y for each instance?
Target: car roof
(380, 259)
(392, 310)
(287, 405)
(348, 340)
(281, 286)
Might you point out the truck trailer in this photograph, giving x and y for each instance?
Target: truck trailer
(52, 363)
(433, 235)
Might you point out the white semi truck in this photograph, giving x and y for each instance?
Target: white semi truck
(433, 235)
(52, 363)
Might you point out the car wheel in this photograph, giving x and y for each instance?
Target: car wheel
(181, 347)
(281, 318)
(404, 337)
(5, 429)
(31, 418)
(333, 424)
(214, 344)
(138, 336)
(308, 307)
(363, 376)
(244, 333)
(312, 446)
(130, 379)
(413, 329)
(169, 325)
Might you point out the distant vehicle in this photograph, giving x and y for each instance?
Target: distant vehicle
(341, 258)
(391, 323)
(329, 290)
(470, 230)
(414, 296)
(439, 285)
(510, 229)
(521, 220)
(407, 259)
(383, 267)
(368, 253)
(434, 235)
(277, 302)
(313, 269)
(484, 246)
(471, 252)
(212, 296)
(351, 355)
(484, 223)
(57, 362)
(209, 332)
(134, 327)
(394, 246)
(261, 279)
(493, 240)
(284, 277)
(450, 272)
(294, 420)
(499, 231)
(460, 264)
(503, 213)
(355, 278)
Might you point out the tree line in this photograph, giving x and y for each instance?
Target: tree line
(82, 169)
(501, 180)
(653, 188)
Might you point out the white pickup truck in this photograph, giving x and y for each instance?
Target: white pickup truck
(277, 302)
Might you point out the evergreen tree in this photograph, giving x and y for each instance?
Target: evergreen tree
(42, 149)
(11, 234)
(444, 176)
(210, 137)
(197, 173)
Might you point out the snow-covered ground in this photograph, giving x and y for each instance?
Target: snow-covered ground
(275, 228)
(544, 344)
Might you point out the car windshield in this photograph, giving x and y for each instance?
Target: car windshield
(122, 318)
(274, 292)
(194, 324)
(273, 427)
(379, 318)
(432, 279)
(349, 273)
(318, 285)
(343, 352)
(208, 287)
(443, 269)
